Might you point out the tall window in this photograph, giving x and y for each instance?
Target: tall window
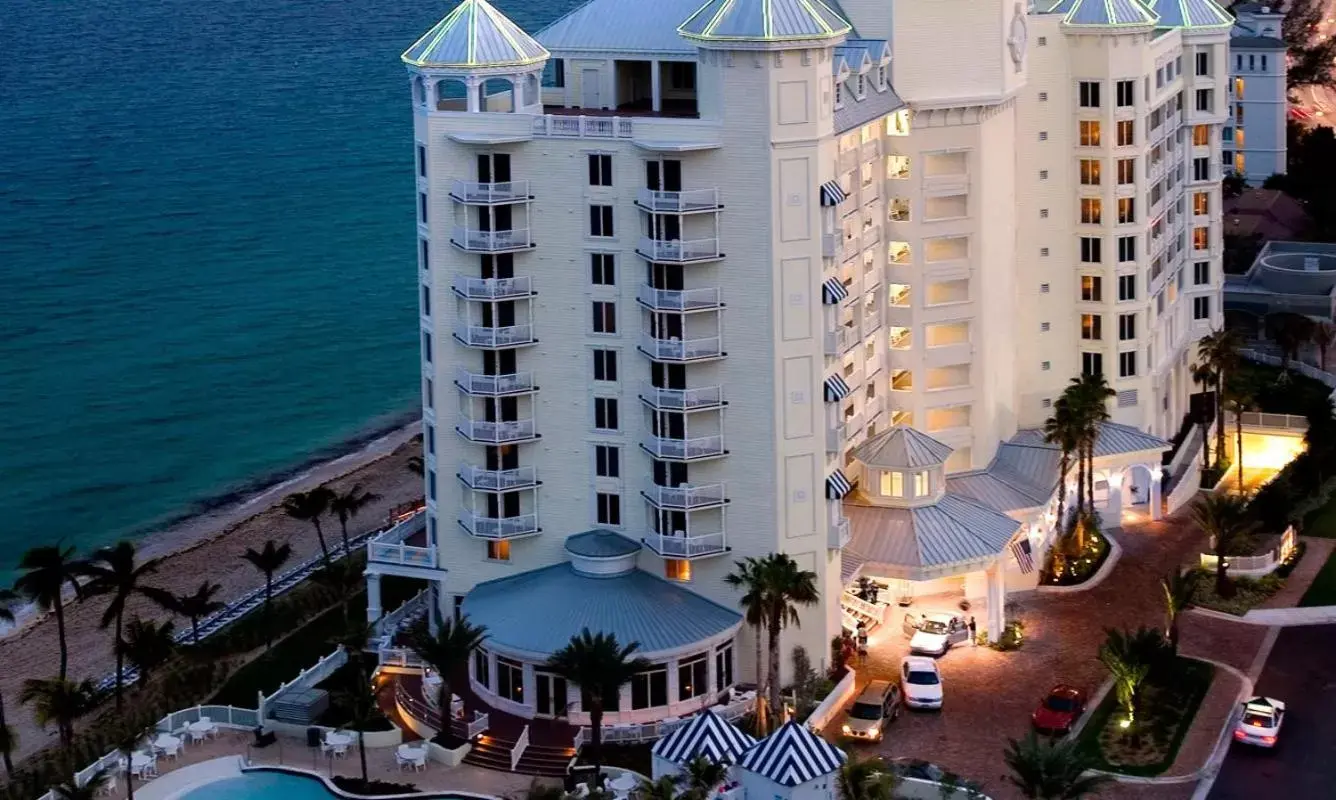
(1092, 363)
(1092, 328)
(607, 461)
(1201, 135)
(649, 689)
(1089, 131)
(605, 365)
(426, 347)
(1127, 327)
(482, 671)
(1127, 288)
(1127, 210)
(605, 413)
(1090, 210)
(723, 667)
(1201, 238)
(1089, 94)
(1201, 203)
(920, 484)
(422, 208)
(693, 676)
(1090, 171)
(1203, 64)
(1201, 273)
(509, 679)
(1127, 171)
(1125, 92)
(424, 254)
(1127, 248)
(1201, 169)
(1127, 364)
(608, 508)
(1127, 135)
(603, 269)
(1205, 99)
(600, 221)
(422, 161)
(1091, 288)
(600, 169)
(1201, 308)
(1090, 250)
(605, 317)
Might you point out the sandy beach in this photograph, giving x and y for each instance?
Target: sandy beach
(208, 546)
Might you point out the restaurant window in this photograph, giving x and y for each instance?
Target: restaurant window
(723, 667)
(509, 679)
(482, 668)
(649, 689)
(693, 678)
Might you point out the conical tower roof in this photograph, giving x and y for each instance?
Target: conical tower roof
(1103, 13)
(902, 447)
(764, 21)
(475, 35)
(1190, 14)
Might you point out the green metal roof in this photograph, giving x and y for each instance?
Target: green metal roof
(764, 21)
(1103, 13)
(1194, 14)
(600, 543)
(475, 34)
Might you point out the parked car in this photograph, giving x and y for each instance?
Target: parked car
(878, 704)
(1261, 721)
(935, 632)
(1060, 708)
(921, 682)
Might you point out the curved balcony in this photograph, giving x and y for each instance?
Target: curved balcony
(686, 496)
(520, 430)
(682, 545)
(679, 299)
(494, 338)
(699, 447)
(471, 288)
(499, 527)
(473, 241)
(478, 385)
(692, 201)
(472, 193)
(679, 251)
(497, 480)
(680, 350)
(682, 399)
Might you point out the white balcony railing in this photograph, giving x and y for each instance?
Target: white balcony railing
(686, 495)
(489, 193)
(680, 349)
(840, 340)
(478, 336)
(499, 527)
(686, 546)
(839, 533)
(679, 300)
(682, 399)
(563, 126)
(498, 480)
(491, 241)
(390, 548)
(678, 202)
(492, 288)
(487, 385)
(496, 432)
(679, 250)
(698, 447)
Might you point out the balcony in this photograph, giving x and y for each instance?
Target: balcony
(871, 320)
(682, 399)
(681, 545)
(699, 447)
(840, 340)
(497, 480)
(829, 246)
(490, 194)
(679, 251)
(499, 527)
(679, 299)
(839, 533)
(680, 349)
(472, 383)
(509, 336)
(475, 430)
(404, 545)
(688, 202)
(686, 496)
(471, 288)
(491, 241)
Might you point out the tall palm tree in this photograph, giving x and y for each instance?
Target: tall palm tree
(1204, 376)
(60, 702)
(360, 699)
(448, 652)
(90, 789)
(1239, 399)
(1290, 331)
(9, 738)
(268, 560)
(1061, 429)
(114, 572)
(785, 587)
(310, 507)
(1055, 770)
(701, 776)
(868, 778)
(46, 571)
(1178, 587)
(1323, 335)
(1219, 352)
(345, 506)
(1128, 667)
(148, 645)
(1224, 518)
(746, 575)
(199, 605)
(1092, 393)
(600, 666)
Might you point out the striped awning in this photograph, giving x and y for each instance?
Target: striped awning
(706, 736)
(836, 389)
(832, 291)
(832, 194)
(792, 755)
(837, 486)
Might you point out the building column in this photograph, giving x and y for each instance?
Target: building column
(673, 687)
(711, 673)
(473, 86)
(373, 609)
(1114, 507)
(530, 695)
(1156, 511)
(655, 89)
(997, 601)
(429, 93)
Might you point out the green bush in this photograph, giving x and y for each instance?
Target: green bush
(372, 788)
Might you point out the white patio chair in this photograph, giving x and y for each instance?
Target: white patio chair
(198, 736)
(341, 750)
(402, 761)
(172, 750)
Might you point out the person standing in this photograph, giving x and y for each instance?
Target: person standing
(974, 632)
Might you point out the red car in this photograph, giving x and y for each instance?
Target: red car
(1062, 706)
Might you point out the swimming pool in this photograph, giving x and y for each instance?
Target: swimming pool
(272, 785)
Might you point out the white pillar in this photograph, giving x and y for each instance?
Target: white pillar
(1155, 505)
(1113, 515)
(711, 674)
(530, 687)
(655, 89)
(997, 600)
(474, 86)
(373, 609)
(429, 93)
(672, 682)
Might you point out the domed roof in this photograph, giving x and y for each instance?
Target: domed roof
(600, 543)
(1103, 13)
(902, 447)
(764, 21)
(1190, 14)
(475, 35)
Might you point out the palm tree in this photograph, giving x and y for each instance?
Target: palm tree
(269, 560)
(345, 506)
(113, 572)
(9, 738)
(1178, 587)
(58, 701)
(1051, 770)
(415, 465)
(663, 788)
(784, 588)
(1127, 666)
(1223, 517)
(1091, 396)
(1061, 429)
(46, 570)
(1204, 376)
(600, 666)
(1323, 335)
(310, 507)
(866, 779)
(148, 645)
(1218, 352)
(1239, 398)
(1290, 331)
(702, 775)
(341, 581)
(90, 789)
(199, 605)
(361, 701)
(747, 576)
(448, 652)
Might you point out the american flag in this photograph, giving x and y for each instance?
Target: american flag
(1020, 550)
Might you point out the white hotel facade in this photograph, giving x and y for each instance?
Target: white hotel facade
(784, 276)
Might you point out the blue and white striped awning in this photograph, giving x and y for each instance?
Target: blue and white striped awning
(705, 735)
(832, 291)
(792, 755)
(836, 389)
(837, 485)
(832, 194)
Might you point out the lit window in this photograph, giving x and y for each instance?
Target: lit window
(1090, 171)
(1090, 210)
(499, 551)
(892, 484)
(1201, 135)
(1089, 130)
(920, 484)
(1126, 133)
(676, 569)
(1091, 327)
(1091, 288)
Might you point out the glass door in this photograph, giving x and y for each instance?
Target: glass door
(551, 695)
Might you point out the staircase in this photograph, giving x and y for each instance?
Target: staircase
(854, 609)
(493, 752)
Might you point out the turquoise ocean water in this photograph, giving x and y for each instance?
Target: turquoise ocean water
(206, 250)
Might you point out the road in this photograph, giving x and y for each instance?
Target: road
(1301, 766)
(1317, 104)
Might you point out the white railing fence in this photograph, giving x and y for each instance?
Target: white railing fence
(390, 624)
(652, 731)
(1263, 564)
(310, 676)
(1262, 419)
(1307, 370)
(578, 740)
(862, 606)
(517, 752)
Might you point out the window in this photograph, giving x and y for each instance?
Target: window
(723, 667)
(1201, 307)
(428, 398)
(605, 365)
(600, 169)
(426, 301)
(1092, 327)
(1127, 364)
(860, 86)
(1088, 91)
(1090, 210)
(499, 550)
(920, 484)
(1264, 62)
(605, 317)
(424, 254)
(1238, 82)
(1127, 327)
(1092, 363)
(839, 94)
(693, 676)
(1201, 238)
(649, 689)
(600, 220)
(482, 665)
(426, 347)
(510, 679)
(1090, 250)
(1201, 169)
(1201, 135)
(1127, 171)
(676, 570)
(1201, 203)
(608, 508)
(682, 75)
(429, 436)
(892, 484)
(1089, 131)
(1125, 91)
(1203, 64)
(1090, 171)
(1205, 99)
(1201, 273)
(1127, 133)
(605, 413)
(1091, 289)
(1127, 288)
(607, 461)
(1127, 210)
(603, 269)
(422, 161)
(422, 208)
(431, 484)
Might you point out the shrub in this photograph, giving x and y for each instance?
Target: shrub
(372, 788)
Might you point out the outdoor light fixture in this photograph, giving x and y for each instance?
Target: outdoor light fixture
(1126, 722)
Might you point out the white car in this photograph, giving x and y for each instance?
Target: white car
(935, 632)
(921, 682)
(1260, 723)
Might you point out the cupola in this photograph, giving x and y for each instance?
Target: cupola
(902, 468)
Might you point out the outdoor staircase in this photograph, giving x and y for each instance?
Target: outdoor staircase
(855, 609)
(492, 752)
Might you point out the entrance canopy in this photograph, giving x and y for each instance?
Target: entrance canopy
(954, 536)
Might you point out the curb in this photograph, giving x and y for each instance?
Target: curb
(1095, 700)
(1105, 569)
(1274, 617)
(1211, 769)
